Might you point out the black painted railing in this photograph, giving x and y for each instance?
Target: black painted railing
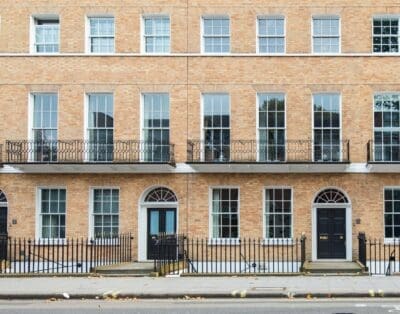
(80, 151)
(379, 257)
(68, 256)
(252, 151)
(383, 153)
(181, 254)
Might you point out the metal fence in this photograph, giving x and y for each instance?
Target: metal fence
(379, 257)
(252, 151)
(380, 152)
(80, 151)
(181, 254)
(69, 256)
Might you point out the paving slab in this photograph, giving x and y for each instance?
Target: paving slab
(206, 287)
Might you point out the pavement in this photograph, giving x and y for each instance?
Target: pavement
(199, 287)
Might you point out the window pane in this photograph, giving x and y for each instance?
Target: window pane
(216, 124)
(102, 34)
(216, 35)
(156, 127)
(385, 35)
(105, 212)
(47, 36)
(278, 225)
(271, 35)
(53, 213)
(327, 145)
(386, 127)
(326, 35)
(271, 127)
(157, 34)
(225, 213)
(100, 127)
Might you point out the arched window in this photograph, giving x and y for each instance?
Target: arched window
(331, 196)
(3, 198)
(161, 195)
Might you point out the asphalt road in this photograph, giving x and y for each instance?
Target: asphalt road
(358, 306)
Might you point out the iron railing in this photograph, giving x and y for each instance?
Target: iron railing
(252, 151)
(69, 256)
(80, 151)
(181, 254)
(383, 153)
(379, 257)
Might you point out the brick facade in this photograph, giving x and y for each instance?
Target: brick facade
(355, 73)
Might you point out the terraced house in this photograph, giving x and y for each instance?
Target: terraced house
(220, 119)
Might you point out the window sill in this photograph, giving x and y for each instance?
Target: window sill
(45, 241)
(223, 241)
(394, 241)
(104, 242)
(283, 241)
(45, 53)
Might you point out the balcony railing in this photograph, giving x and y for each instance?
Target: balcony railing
(252, 151)
(383, 153)
(80, 151)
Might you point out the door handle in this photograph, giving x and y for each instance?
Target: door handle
(323, 237)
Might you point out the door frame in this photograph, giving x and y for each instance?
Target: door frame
(142, 220)
(349, 227)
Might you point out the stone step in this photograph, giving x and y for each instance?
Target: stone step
(127, 269)
(348, 268)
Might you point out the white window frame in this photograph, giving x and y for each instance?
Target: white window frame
(277, 241)
(143, 33)
(388, 240)
(86, 120)
(108, 241)
(282, 17)
(202, 34)
(222, 241)
(31, 104)
(384, 16)
(386, 93)
(32, 32)
(258, 123)
(326, 17)
(87, 33)
(142, 128)
(202, 129)
(38, 224)
(340, 121)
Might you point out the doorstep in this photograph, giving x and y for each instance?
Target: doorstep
(333, 268)
(131, 269)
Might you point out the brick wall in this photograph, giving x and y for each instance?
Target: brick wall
(185, 78)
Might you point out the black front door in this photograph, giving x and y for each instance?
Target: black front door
(159, 221)
(331, 233)
(3, 233)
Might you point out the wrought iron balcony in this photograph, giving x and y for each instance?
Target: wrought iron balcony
(252, 151)
(383, 153)
(82, 152)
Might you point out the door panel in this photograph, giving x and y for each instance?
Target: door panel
(3, 233)
(331, 233)
(159, 221)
